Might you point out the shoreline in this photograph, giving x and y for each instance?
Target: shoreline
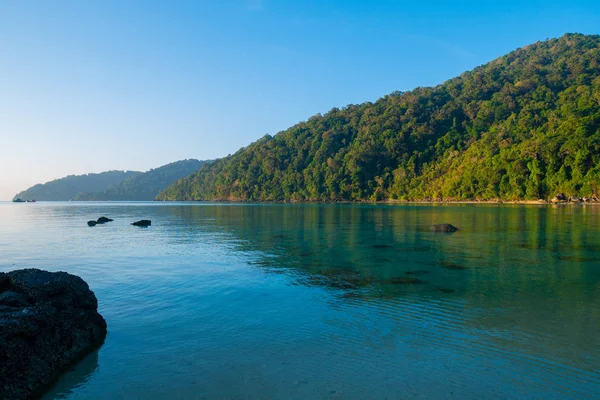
(525, 202)
(497, 202)
(390, 201)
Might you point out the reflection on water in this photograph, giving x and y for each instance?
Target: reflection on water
(74, 378)
(329, 301)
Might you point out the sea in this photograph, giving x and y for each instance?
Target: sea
(326, 301)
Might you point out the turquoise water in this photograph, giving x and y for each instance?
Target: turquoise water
(326, 301)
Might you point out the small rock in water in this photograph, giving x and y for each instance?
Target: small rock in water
(416, 272)
(143, 223)
(103, 220)
(447, 228)
(92, 223)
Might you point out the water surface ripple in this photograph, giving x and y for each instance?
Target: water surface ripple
(326, 301)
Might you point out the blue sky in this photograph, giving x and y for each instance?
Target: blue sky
(88, 86)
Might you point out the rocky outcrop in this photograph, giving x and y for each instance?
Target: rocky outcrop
(560, 198)
(48, 322)
(142, 223)
(447, 228)
(92, 223)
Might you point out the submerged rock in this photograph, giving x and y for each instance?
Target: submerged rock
(403, 280)
(421, 272)
(91, 223)
(103, 220)
(451, 265)
(576, 259)
(143, 222)
(448, 228)
(48, 322)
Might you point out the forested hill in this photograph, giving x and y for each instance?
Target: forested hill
(524, 126)
(145, 186)
(66, 188)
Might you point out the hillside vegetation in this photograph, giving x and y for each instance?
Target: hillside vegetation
(66, 188)
(144, 186)
(524, 126)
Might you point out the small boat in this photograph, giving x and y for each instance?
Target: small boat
(18, 201)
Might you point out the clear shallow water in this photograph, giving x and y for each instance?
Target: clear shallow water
(312, 301)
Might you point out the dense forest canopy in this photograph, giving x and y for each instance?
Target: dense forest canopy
(144, 186)
(66, 188)
(524, 126)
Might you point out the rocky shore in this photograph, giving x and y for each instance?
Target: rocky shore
(48, 322)
(560, 198)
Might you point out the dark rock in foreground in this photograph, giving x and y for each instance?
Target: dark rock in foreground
(143, 222)
(91, 223)
(448, 228)
(103, 220)
(48, 322)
